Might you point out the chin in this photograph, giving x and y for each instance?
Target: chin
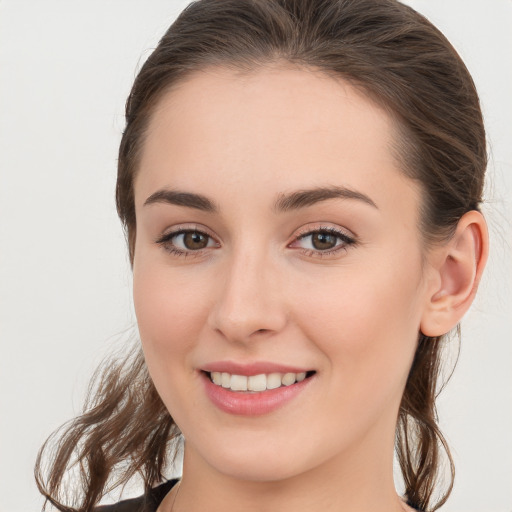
(260, 469)
(258, 456)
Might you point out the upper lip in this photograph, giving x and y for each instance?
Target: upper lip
(253, 368)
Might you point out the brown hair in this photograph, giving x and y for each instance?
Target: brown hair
(400, 61)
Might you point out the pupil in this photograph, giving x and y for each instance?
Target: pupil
(323, 241)
(195, 241)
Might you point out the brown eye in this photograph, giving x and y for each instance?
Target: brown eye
(322, 241)
(194, 241)
(319, 242)
(186, 241)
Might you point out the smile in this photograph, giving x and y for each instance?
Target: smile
(255, 383)
(260, 392)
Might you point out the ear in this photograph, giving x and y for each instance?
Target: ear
(455, 271)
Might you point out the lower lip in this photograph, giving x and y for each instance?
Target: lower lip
(252, 403)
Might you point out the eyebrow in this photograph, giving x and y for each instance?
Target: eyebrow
(179, 198)
(285, 202)
(305, 198)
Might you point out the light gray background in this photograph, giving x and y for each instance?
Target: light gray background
(65, 70)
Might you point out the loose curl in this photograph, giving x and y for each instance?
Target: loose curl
(401, 62)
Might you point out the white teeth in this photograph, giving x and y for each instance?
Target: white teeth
(255, 383)
(288, 379)
(273, 381)
(301, 376)
(226, 380)
(238, 383)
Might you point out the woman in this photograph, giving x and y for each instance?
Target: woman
(300, 184)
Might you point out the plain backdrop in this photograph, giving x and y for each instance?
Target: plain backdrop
(65, 286)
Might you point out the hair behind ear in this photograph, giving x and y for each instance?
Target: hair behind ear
(125, 430)
(419, 441)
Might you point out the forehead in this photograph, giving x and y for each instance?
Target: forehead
(272, 129)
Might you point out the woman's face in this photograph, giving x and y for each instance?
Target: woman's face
(276, 235)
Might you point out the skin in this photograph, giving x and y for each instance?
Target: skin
(261, 291)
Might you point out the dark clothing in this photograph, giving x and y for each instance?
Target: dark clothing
(146, 503)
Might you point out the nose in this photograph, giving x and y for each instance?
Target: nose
(250, 300)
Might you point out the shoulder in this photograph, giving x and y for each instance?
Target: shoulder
(146, 503)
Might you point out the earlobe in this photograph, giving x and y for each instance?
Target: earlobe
(458, 268)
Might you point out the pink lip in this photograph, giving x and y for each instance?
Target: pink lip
(249, 403)
(248, 369)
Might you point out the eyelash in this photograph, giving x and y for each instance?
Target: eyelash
(346, 240)
(166, 242)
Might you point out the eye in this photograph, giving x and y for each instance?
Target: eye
(185, 241)
(322, 241)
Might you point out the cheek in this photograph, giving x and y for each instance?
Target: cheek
(366, 323)
(170, 309)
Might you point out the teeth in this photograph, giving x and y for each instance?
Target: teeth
(238, 383)
(273, 381)
(225, 380)
(288, 379)
(255, 383)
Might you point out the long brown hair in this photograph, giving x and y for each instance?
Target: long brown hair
(396, 57)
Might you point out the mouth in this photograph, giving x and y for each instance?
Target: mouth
(255, 388)
(256, 383)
